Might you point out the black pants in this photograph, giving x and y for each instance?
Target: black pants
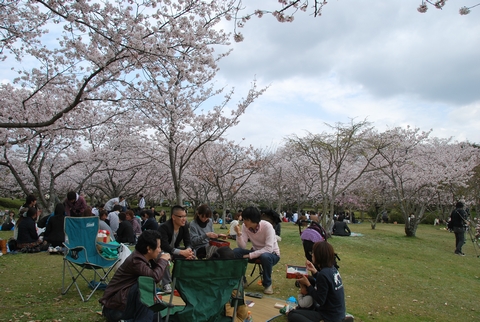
(135, 310)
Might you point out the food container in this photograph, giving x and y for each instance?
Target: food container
(219, 242)
(293, 271)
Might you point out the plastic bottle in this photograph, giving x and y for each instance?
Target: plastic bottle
(249, 317)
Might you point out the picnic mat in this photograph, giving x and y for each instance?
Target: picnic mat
(262, 309)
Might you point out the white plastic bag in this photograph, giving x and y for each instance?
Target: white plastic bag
(123, 253)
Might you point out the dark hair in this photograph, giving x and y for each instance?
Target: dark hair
(31, 211)
(237, 215)
(148, 238)
(459, 204)
(30, 198)
(102, 212)
(175, 209)
(87, 212)
(252, 213)
(122, 216)
(204, 210)
(117, 208)
(129, 213)
(59, 210)
(324, 254)
(71, 195)
(224, 252)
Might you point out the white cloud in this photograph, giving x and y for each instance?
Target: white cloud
(378, 60)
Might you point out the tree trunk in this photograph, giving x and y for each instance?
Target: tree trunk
(411, 227)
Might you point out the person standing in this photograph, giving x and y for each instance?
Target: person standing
(459, 222)
(75, 204)
(264, 244)
(141, 203)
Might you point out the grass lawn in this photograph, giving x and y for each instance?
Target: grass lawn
(387, 277)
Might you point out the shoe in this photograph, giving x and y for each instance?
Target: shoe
(167, 288)
(459, 254)
(268, 290)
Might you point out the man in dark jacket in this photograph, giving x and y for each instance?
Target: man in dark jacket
(176, 228)
(459, 222)
(121, 300)
(149, 221)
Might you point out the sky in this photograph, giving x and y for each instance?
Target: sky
(380, 61)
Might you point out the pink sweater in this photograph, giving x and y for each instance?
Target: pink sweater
(263, 241)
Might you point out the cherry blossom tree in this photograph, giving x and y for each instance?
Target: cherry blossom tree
(340, 158)
(417, 167)
(227, 168)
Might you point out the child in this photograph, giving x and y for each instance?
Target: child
(235, 226)
(304, 300)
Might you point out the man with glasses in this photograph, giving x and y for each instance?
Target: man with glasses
(173, 232)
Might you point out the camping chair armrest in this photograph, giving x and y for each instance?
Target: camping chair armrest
(77, 248)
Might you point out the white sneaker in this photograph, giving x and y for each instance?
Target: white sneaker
(268, 290)
(167, 288)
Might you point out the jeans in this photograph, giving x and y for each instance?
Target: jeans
(268, 260)
(134, 311)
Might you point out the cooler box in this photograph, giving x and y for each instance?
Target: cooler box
(219, 242)
(293, 271)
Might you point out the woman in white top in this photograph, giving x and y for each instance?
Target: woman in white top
(234, 224)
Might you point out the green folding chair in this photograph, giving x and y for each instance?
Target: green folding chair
(148, 295)
(206, 286)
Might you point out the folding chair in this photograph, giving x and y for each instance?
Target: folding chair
(257, 264)
(205, 286)
(148, 295)
(82, 254)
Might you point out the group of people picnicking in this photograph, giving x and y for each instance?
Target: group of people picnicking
(158, 242)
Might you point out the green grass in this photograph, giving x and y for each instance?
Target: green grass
(387, 277)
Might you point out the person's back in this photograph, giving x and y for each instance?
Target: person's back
(125, 230)
(341, 229)
(54, 231)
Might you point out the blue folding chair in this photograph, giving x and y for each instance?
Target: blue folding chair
(82, 254)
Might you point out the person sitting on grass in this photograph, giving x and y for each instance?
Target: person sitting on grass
(54, 230)
(340, 228)
(121, 300)
(264, 244)
(125, 230)
(28, 240)
(305, 301)
(327, 291)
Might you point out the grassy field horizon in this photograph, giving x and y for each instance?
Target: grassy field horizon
(387, 277)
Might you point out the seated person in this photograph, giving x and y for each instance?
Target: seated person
(27, 239)
(264, 244)
(137, 228)
(121, 300)
(148, 220)
(125, 230)
(201, 230)
(54, 230)
(304, 300)
(103, 223)
(327, 291)
(340, 228)
(173, 232)
(9, 222)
